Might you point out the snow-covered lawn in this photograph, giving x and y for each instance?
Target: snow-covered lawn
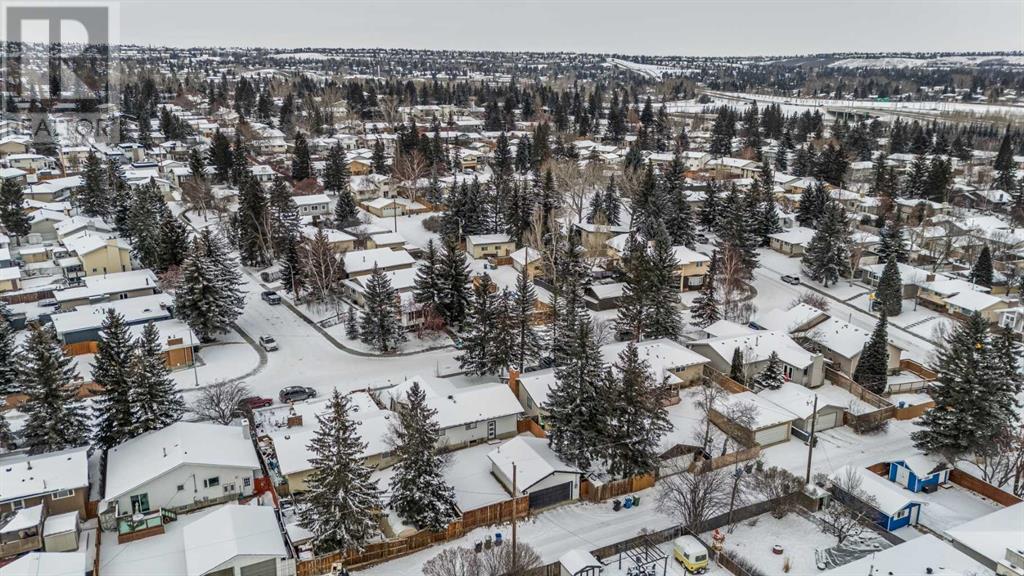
(798, 536)
(218, 362)
(553, 532)
(949, 507)
(840, 446)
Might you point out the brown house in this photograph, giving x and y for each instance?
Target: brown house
(59, 480)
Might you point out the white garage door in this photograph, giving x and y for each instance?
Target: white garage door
(771, 435)
(826, 421)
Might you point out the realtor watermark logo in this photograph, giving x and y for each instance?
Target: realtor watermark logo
(59, 69)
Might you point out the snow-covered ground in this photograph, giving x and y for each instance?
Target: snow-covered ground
(799, 537)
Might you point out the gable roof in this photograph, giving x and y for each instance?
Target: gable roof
(153, 454)
(534, 460)
(228, 533)
(888, 498)
(23, 475)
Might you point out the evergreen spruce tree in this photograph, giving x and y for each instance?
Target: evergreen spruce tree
(1004, 165)
(975, 402)
(56, 419)
(570, 273)
(576, 404)
(452, 272)
(1009, 355)
(426, 287)
(352, 324)
(419, 493)
(737, 231)
(379, 159)
(252, 221)
(293, 272)
(8, 368)
(710, 211)
(982, 271)
(220, 156)
(239, 161)
(639, 419)
(889, 293)
(173, 242)
(93, 198)
(635, 304)
(664, 320)
(284, 218)
(337, 181)
(612, 204)
(524, 342)
(154, 395)
(892, 244)
(479, 342)
(144, 218)
(12, 208)
(381, 325)
(828, 255)
(207, 297)
(736, 368)
(772, 377)
(812, 206)
(343, 499)
(872, 368)
(704, 311)
(302, 167)
(114, 410)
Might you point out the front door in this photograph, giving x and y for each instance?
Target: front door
(492, 429)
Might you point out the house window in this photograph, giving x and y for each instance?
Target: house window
(181, 487)
(18, 504)
(61, 494)
(902, 514)
(122, 296)
(471, 426)
(229, 488)
(211, 482)
(140, 503)
(246, 481)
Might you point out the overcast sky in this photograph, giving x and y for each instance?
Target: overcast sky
(713, 28)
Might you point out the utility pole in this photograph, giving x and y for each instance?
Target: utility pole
(810, 439)
(514, 500)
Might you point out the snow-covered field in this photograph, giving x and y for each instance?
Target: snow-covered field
(798, 536)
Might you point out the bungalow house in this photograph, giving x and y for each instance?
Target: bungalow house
(384, 207)
(727, 168)
(338, 240)
(842, 343)
(57, 480)
(935, 294)
(43, 225)
(83, 324)
(389, 240)
(182, 466)
(669, 361)
(489, 246)
(925, 555)
(53, 190)
(918, 473)
(14, 144)
(797, 319)
(476, 414)
(968, 303)
(893, 509)
(792, 242)
(995, 540)
(79, 223)
(361, 262)
(913, 278)
(290, 429)
(593, 237)
(528, 261)
(539, 473)
(313, 205)
(248, 543)
(798, 365)
(31, 163)
(109, 287)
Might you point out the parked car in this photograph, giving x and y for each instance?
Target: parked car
(689, 552)
(789, 279)
(268, 343)
(271, 297)
(296, 394)
(254, 402)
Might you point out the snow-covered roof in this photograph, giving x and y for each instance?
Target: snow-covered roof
(790, 320)
(488, 239)
(333, 236)
(520, 256)
(534, 460)
(726, 328)
(23, 475)
(141, 309)
(889, 499)
(686, 256)
(47, 564)
(474, 404)
(758, 346)
(915, 556)
(952, 286)
(973, 301)
(601, 228)
(23, 519)
(840, 337)
(109, 284)
(311, 199)
(992, 534)
(662, 355)
(538, 384)
(768, 413)
(230, 532)
(576, 561)
(797, 235)
(61, 523)
(360, 261)
(149, 456)
(292, 445)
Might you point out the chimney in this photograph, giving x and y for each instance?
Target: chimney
(165, 452)
(28, 464)
(513, 381)
(294, 420)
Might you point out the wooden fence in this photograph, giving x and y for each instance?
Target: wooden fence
(919, 369)
(975, 484)
(700, 466)
(528, 425)
(598, 493)
(884, 409)
(728, 384)
(396, 547)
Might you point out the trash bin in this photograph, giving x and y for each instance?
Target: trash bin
(616, 505)
(497, 538)
(628, 502)
(636, 500)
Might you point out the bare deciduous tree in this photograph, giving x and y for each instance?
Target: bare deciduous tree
(496, 561)
(812, 299)
(776, 484)
(323, 268)
(845, 521)
(695, 498)
(1003, 465)
(219, 402)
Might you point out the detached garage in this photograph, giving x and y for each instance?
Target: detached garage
(540, 473)
(799, 400)
(769, 424)
(250, 540)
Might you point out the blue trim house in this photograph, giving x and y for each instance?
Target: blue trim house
(916, 475)
(893, 508)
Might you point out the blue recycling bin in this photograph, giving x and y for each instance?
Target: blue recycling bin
(628, 502)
